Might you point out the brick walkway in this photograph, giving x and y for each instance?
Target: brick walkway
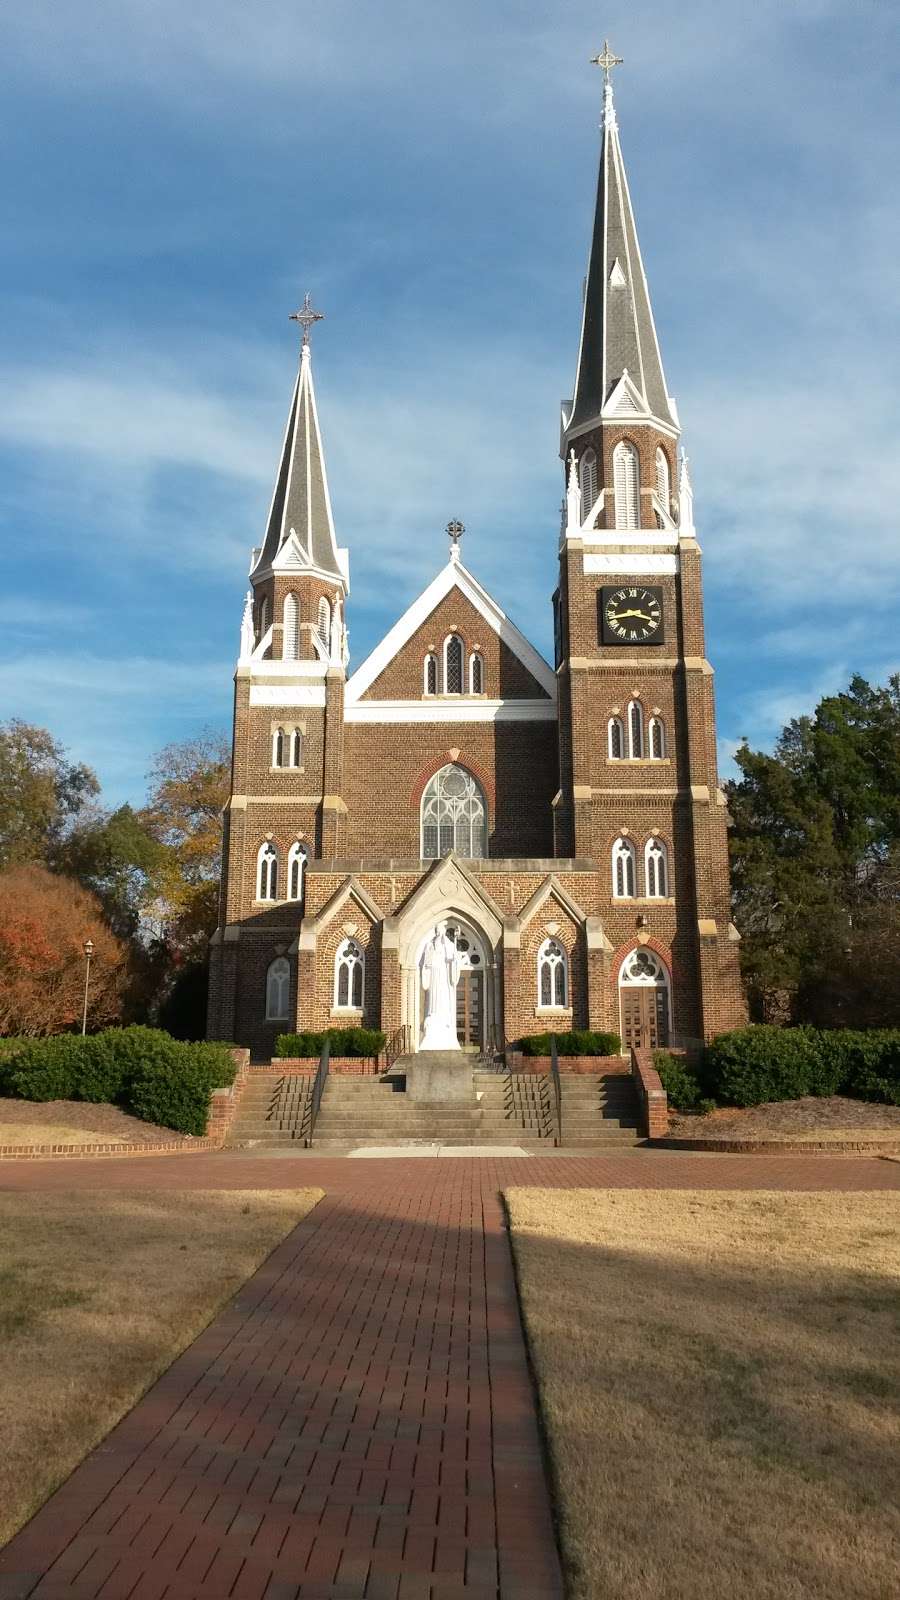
(358, 1422)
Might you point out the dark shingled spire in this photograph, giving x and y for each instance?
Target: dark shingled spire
(617, 330)
(301, 501)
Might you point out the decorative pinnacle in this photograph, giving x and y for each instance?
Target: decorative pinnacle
(306, 317)
(607, 61)
(455, 529)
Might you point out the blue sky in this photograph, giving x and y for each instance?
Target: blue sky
(176, 176)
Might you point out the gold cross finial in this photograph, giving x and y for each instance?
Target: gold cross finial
(606, 60)
(306, 316)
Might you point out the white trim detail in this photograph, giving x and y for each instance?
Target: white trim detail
(663, 566)
(664, 538)
(453, 576)
(288, 694)
(455, 708)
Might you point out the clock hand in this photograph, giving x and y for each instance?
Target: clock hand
(641, 616)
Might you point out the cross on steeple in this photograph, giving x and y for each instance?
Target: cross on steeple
(607, 61)
(306, 316)
(455, 529)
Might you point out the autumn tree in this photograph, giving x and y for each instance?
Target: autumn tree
(41, 793)
(184, 816)
(45, 920)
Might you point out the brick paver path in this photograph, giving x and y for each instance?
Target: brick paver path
(358, 1423)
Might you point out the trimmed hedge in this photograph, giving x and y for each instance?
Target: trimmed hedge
(144, 1070)
(579, 1043)
(750, 1066)
(682, 1086)
(344, 1042)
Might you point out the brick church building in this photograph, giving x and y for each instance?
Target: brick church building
(565, 822)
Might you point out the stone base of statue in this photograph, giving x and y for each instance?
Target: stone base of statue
(434, 1077)
(439, 1033)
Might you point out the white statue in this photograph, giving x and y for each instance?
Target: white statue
(440, 975)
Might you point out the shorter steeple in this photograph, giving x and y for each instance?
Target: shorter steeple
(618, 336)
(301, 504)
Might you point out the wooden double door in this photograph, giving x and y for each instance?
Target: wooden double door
(645, 1016)
(470, 1009)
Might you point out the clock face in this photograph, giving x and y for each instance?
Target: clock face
(632, 615)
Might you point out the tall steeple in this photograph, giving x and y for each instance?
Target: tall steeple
(618, 336)
(301, 504)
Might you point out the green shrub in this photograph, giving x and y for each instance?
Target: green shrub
(752, 1065)
(48, 1069)
(344, 1042)
(578, 1043)
(869, 1061)
(173, 1091)
(755, 1064)
(680, 1082)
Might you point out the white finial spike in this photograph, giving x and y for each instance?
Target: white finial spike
(247, 636)
(573, 499)
(607, 60)
(685, 501)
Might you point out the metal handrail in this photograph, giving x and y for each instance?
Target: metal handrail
(399, 1044)
(494, 1045)
(315, 1099)
(557, 1086)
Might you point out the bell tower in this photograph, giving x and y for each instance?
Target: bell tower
(638, 789)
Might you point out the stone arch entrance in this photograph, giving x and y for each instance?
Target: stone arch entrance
(644, 1000)
(450, 894)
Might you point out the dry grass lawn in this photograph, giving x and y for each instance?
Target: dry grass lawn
(719, 1378)
(98, 1294)
(53, 1133)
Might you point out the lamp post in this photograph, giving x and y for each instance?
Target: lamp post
(88, 952)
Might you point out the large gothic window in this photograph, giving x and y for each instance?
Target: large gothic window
(349, 967)
(454, 815)
(623, 870)
(663, 491)
(588, 477)
(656, 870)
(278, 990)
(290, 647)
(626, 482)
(553, 976)
(267, 872)
(453, 665)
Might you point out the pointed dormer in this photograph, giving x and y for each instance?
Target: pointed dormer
(300, 530)
(619, 376)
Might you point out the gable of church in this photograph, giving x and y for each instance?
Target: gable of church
(503, 675)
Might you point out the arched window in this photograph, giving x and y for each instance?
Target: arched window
(615, 735)
(587, 477)
(553, 975)
(296, 869)
(324, 622)
(626, 480)
(656, 870)
(278, 747)
(663, 490)
(349, 966)
(263, 618)
(454, 655)
(429, 676)
(454, 815)
(656, 739)
(290, 633)
(278, 990)
(476, 674)
(296, 747)
(267, 872)
(623, 870)
(635, 730)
